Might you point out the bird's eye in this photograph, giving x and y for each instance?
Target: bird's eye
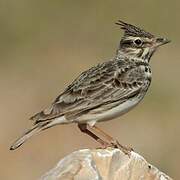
(138, 42)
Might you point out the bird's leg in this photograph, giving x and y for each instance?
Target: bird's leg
(113, 142)
(100, 131)
(84, 129)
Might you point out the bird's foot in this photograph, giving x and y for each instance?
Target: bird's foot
(126, 150)
(104, 144)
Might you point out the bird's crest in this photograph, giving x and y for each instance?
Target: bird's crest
(131, 30)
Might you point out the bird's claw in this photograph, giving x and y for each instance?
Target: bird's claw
(126, 150)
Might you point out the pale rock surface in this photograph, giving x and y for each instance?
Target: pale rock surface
(104, 164)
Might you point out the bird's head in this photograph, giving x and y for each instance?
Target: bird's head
(138, 43)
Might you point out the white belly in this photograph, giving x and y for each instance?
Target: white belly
(91, 118)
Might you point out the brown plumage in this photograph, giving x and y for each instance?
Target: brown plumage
(106, 90)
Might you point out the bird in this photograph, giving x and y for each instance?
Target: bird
(105, 91)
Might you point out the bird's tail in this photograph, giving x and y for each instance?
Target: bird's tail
(34, 130)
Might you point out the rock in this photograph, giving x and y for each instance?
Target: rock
(104, 164)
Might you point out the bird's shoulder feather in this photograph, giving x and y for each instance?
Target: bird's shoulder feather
(106, 82)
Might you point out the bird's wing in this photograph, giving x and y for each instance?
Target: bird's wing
(105, 83)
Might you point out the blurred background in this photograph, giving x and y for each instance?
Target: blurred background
(45, 44)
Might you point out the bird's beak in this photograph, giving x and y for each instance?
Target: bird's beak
(161, 41)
